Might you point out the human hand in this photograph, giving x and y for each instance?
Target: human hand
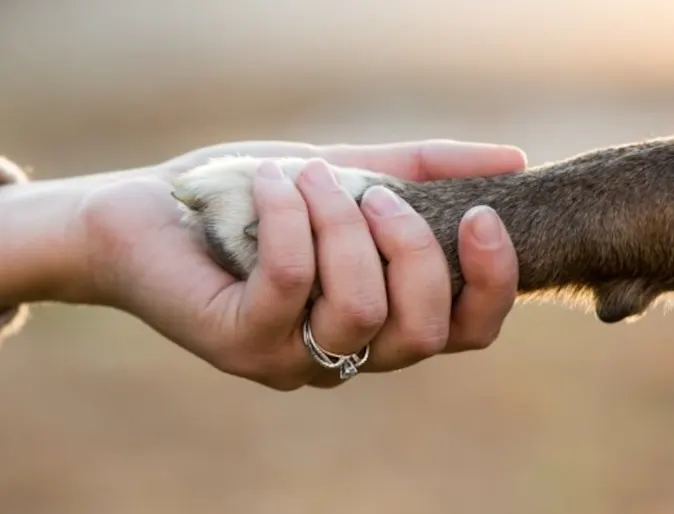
(147, 263)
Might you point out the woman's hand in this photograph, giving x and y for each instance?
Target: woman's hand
(148, 264)
(138, 257)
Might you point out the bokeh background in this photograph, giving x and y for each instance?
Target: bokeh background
(98, 414)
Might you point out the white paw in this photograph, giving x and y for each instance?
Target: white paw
(217, 198)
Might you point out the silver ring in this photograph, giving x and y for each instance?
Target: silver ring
(348, 364)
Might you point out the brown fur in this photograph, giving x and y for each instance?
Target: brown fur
(596, 228)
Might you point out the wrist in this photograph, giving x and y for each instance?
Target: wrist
(40, 251)
(45, 254)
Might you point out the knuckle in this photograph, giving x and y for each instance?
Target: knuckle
(291, 274)
(364, 312)
(426, 341)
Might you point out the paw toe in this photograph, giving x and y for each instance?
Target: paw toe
(619, 300)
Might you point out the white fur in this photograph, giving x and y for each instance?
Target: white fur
(224, 189)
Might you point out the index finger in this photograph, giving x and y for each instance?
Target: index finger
(430, 160)
(278, 288)
(413, 160)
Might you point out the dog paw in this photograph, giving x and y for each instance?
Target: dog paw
(217, 199)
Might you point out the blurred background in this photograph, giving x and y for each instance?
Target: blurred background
(563, 414)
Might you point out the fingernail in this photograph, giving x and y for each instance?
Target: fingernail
(485, 226)
(382, 201)
(270, 170)
(319, 175)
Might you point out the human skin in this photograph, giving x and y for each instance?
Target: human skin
(116, 240)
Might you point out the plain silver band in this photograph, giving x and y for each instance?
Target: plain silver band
(348, 364)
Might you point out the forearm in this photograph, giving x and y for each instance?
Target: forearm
(44, 245)
(40, 250)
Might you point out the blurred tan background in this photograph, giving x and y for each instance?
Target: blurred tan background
(98, 414)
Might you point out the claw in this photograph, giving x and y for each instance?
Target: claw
(251, 229)
(189, 201)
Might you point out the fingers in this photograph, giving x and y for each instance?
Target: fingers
(277, 290)
(489, 266)
(419, 324)
(418, 287)
(418, 283)
(430, 160)
(415, 160)
(353, 305)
